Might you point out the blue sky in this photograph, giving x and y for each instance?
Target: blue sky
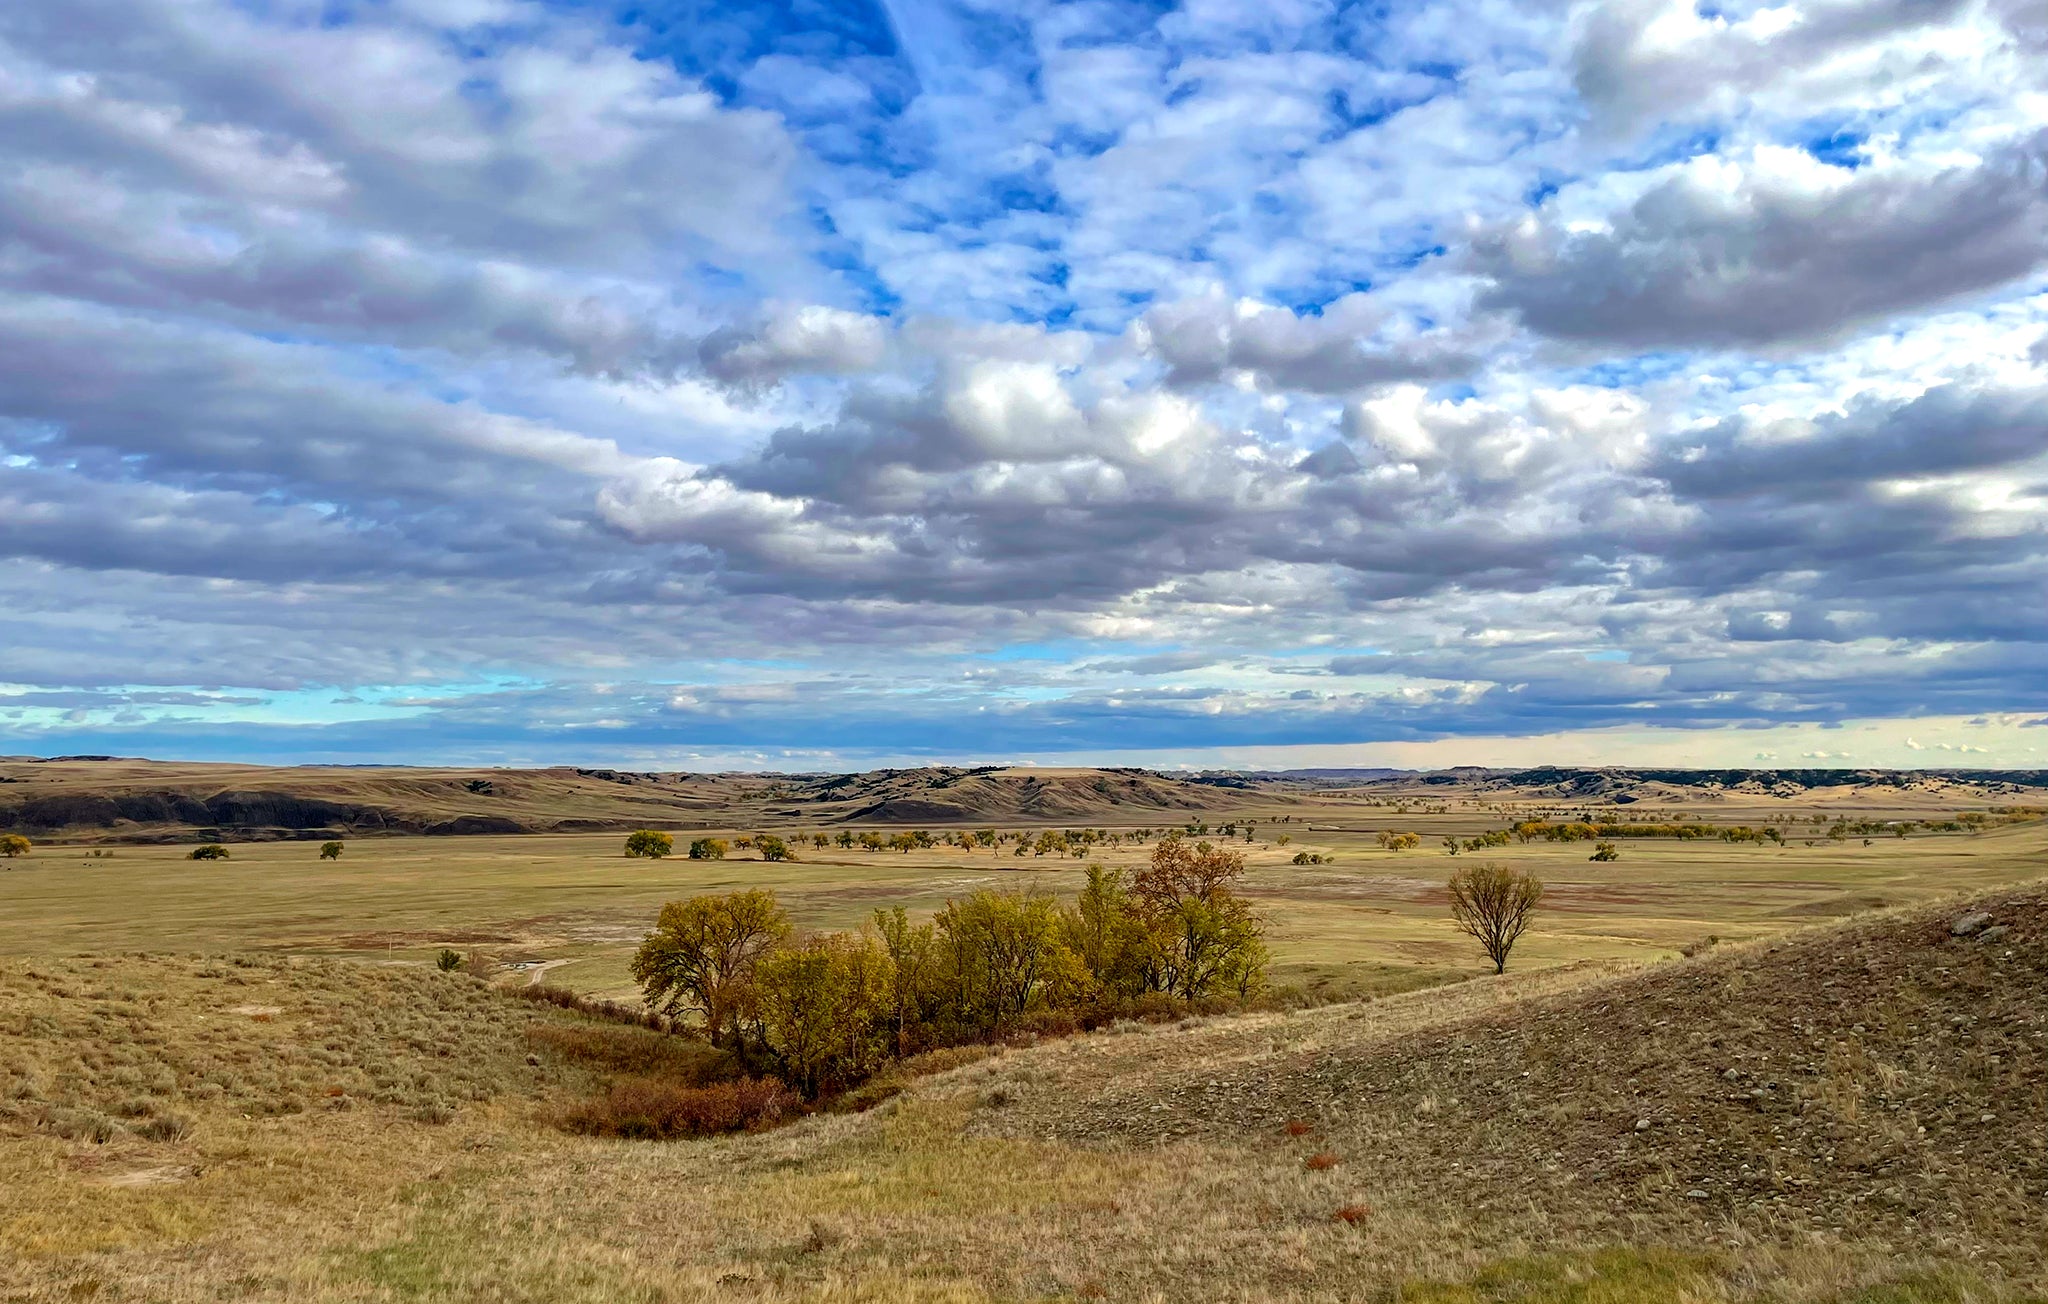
(811, 385)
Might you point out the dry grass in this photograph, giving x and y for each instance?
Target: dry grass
(1140, 1163)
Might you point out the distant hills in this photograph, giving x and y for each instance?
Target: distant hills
(116, 799)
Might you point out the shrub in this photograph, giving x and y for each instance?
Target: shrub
(612, 1011)
(448, 960)
(1320, 1161)
(653, 1109)
(166, 1127)
(634, 1050)
(1605, 851)
(649, 843)
(330, 851)
(211, 851)
(16, 845)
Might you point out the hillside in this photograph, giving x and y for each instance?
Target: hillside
(115, 800)
(1888, 1075)
(1847, 1115)
(140, 801)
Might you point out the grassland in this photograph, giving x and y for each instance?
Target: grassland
(192, 1129)
(1371, 921)
(243, 1080)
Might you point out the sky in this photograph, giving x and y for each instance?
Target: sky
(812, 386)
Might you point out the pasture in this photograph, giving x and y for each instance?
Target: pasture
(1370, 920)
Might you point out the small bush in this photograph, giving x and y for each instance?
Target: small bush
(330, 851)
(1353, 1214)
(1320, 1162)
(166, 1127)
(211, 851)
(448, 960)
(1296, 1127)
(654, 1110)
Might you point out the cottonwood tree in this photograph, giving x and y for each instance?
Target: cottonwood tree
(15, 845)
(649, 843)
(330, 851)
(1493, 904)
(1197, 928)
(823, 1007)
(708, 848)
(701, 955)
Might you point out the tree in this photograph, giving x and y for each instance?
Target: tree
(913, 955)
(1493, 904)
(824, 1007)
(707, 848)
(1104, 931)
(1605, 851)
(211, 851)
(15, 845)
(774, 848)
(1006, 954)
(330, 851)
(1196, 927)
(1399, 841)
(701, 955)
(448, 961)
(649, 843)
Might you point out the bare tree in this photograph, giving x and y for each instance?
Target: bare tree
(1493, 904)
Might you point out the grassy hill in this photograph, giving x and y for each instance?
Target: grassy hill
(143, 801)
(1852, 1113)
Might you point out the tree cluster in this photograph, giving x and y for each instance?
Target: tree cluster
(827, 1010)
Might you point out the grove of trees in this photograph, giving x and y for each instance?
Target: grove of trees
(824, 1011)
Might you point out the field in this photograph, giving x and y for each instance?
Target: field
(1373, 920)
(245, 1080)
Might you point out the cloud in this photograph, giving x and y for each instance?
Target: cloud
(1778, 247)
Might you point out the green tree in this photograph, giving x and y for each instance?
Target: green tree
(330, 851)
(913, 957)
(448, 961)
(701, 955)
(1104, 932)
(823, 1007)
(1005, 955)
(774, 848)
(1605, 851)
(707, 849)
(211, 851)
(14, 845)
(1493, 904)
(649, 843)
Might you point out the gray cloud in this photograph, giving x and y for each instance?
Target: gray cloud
(1723, 257)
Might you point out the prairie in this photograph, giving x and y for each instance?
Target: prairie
(246, 1079)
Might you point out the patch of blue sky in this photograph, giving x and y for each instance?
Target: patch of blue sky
(1842, 148)
(1632, 371)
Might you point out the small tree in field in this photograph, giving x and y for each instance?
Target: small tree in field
(15, 845)
(1605, 851)
(774, 848)
(649, 843)
(211, 851)
(707, 848)
(1493, 904)
(330, 851)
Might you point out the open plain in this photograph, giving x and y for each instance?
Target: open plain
(244, 1078)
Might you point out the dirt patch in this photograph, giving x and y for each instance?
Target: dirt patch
(165, 1175)
(256, 1011)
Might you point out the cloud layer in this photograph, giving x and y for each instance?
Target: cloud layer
(483, 378)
